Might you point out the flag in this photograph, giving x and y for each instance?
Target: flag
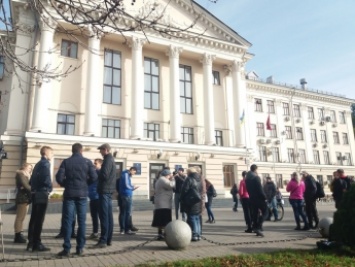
(268, 124)
(242, 117)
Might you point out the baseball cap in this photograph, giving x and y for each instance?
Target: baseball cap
(105, 146)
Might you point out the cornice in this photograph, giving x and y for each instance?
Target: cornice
(288, 92)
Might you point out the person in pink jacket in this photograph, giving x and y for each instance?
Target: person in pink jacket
(244, 199)
(296, 189)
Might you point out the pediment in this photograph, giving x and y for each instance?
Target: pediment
(181, 14)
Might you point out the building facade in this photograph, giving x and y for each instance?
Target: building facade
(179, 101)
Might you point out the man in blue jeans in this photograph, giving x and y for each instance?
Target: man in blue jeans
(74, 174)
(105, 187)
(125, 193)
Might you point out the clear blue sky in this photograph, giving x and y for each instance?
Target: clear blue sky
(293, 39)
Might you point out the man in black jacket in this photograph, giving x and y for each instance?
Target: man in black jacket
(75, 174)
(257, 199)
(106, 186)
(310, 200)
(179, 180)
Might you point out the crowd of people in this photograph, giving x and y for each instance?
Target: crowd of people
(191, 194)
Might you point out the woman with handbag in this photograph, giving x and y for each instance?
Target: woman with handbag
(23, 199)
(211, 193)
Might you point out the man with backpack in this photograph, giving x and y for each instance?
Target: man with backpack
(340, 185)
(310, 197)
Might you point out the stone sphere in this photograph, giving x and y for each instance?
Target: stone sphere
(324, 225)
(177, 234)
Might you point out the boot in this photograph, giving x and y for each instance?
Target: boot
(19, 238)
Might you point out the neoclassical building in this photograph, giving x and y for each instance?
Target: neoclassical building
(183, 101)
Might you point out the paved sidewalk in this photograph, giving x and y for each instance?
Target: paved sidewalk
(224, 237)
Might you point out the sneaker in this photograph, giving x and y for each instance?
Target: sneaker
(94, 236)
(79, 252)
(160, 237)
(63, 253)
(99, 245)
(297, 228)
(40, 248)
(306, 228)
(259, 233)
(121, 232)
(134, 229)
(249, 230)
(60, 235)
(194, 239)
(129, 232)
(208, 221)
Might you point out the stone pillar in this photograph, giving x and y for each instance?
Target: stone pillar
(329, 130)
(208, 99)
(91, 105)
(250, 126)
(307, 134)
(175, 112)
(43, 85)
(229, 106)
(239, 88)
(349, 127)
(281, 129)
(137, 105)
(19, 89)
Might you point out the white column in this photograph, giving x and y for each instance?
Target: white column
(91, 106)
(175, 112)
(281, 129)
(350, 131)
(329, 131)
(250, 125)
(239, 88)
(307, 134)
(137, 104)
(18, 95)
(43, 85)
(208, 99)
(229, 107)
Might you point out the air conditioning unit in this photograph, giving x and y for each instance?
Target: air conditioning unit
(287, 118)
(298, 120)
(277, 142)
(345, 158)
(315, 144)
(328, 119)
(311, 122)
(322, 123)
(283, 133)
(334, 125)
(339, 158)
(325, 146)
(261, 141)
(269, 153)
(268, 141)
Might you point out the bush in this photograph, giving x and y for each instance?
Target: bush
(56, 196)
(342, 229)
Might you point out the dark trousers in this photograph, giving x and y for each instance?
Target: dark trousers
(312, 213)
(246, 210)
(62, 222)
(120, 213)
(94, 212)
(36, 223)
(259, 212)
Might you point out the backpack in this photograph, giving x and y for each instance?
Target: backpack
(320, 191)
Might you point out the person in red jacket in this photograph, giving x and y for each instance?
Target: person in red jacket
(244, 199)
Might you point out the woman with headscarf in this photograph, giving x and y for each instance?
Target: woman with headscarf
(23, 199)
(296, 189)
(163, 201)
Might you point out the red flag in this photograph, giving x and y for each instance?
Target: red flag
(268, 124)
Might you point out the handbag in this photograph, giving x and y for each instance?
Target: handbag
(41, 197)
(23, 196)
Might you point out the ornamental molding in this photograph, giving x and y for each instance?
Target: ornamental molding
(174, 51)
(207, 59)
(137, 43)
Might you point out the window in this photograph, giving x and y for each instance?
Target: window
(302, 156)
(111, 128)
(69, 49)
(229, 176)
(288, 131)
(345, 138)
(262, 153)
(112, 77)
(2, 66)
(273, 132)
(323, 136)
(347, 158)
(65, 124)
(152, 131)
(329, 179)
(314, 135)
(260, 129)
(339, 158)
(333, 117)
(279, 182)
(320, 179)
(187, 135)
(296, 111)
(320, 114)
(275, 154)
(216, 78)
(286, 109)
(271, 107)
(219, 137)
(326, 157)
(316, 157)
(151, 83)
(56, 164)
(299, 133)
(336, 138)
(291, 155)
(258, 105)
(342, 117)
(185, 89)
(310, 113)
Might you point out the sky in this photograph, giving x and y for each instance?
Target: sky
(294, 39)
